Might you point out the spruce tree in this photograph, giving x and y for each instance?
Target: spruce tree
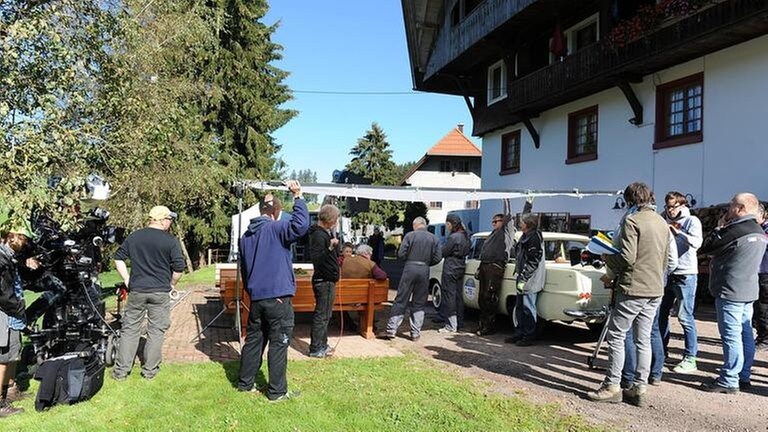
(372, 159)
(248, 89)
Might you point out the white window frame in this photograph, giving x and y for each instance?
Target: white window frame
(570, 34)
(503, 94)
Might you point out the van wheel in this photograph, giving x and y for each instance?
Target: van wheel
(437, 294)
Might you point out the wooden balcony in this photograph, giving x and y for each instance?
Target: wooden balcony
(603, 65)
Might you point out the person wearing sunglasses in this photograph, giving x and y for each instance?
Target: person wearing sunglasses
(494, 255)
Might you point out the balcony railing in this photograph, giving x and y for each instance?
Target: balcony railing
(601, 64)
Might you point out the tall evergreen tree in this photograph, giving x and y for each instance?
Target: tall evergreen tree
(372, 159)
(248, 89)
(412, 211)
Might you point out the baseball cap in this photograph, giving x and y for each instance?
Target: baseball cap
(162, 212)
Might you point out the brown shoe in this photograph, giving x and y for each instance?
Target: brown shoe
(384, 335)
(14, 394)
(6, 410)
(636, 395)
(610, 393)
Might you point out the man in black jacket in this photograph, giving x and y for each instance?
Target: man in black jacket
(531, 274)
(494, 255)
(736, 246)
(323, 250)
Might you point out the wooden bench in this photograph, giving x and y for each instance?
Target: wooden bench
(363, 295)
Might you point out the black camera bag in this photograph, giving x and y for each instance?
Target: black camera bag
(68, 379)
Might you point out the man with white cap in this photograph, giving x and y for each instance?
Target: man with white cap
(156, 266)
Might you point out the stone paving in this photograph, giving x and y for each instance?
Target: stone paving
(219, 341)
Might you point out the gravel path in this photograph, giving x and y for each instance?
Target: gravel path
(555, 371)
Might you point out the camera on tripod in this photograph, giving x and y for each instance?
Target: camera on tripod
(71, 304)
(74, 334)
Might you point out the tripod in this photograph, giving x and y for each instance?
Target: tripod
(237, 301)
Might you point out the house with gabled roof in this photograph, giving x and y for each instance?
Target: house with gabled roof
(596, 94)
(454, 162)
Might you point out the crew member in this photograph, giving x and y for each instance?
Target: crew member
(494, 255)
(454, 252)
(268, 276)
(419, 250)
(156, 266)
(323, 250)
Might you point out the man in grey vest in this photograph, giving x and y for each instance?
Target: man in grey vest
(419, 250)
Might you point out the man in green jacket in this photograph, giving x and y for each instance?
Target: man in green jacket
(639, 268)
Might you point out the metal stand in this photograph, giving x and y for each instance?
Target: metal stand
(238, 299)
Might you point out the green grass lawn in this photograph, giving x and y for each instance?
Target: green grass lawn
(387, 394)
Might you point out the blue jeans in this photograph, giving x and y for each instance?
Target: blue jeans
(682, 288)
(734, 320)
(630, 353)
(525, 312)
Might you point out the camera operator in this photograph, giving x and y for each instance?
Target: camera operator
(156, 266)
(14, 241)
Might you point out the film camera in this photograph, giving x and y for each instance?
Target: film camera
(71, 304)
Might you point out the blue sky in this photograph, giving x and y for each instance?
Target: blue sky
(353, 46)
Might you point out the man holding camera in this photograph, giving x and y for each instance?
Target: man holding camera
(156, 266)
(13, 241)
(265, 255)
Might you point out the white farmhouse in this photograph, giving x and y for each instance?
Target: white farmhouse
(454, 162)
(598, 94)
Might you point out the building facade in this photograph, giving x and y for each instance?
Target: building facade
(598, 94)
(454, 163)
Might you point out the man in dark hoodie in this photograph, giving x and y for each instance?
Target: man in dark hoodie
(736, 246)
(324, 252)
(266, 268)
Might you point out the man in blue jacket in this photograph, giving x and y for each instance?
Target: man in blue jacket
(266, 268)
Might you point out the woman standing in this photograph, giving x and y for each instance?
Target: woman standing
(455, 251)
